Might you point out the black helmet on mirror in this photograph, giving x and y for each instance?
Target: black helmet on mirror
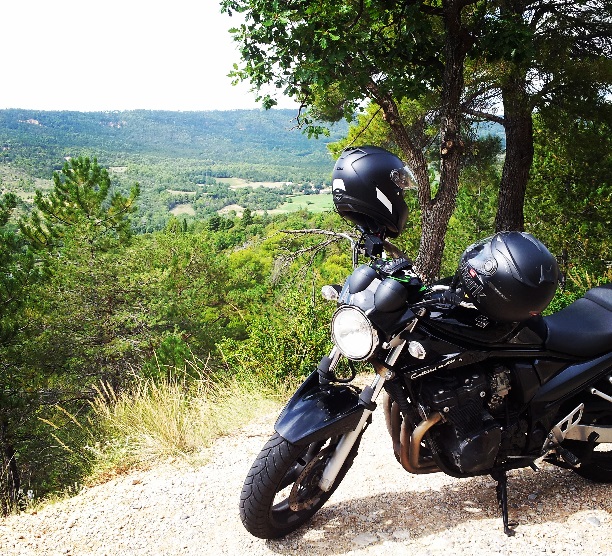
(509, 277)
(368, 189)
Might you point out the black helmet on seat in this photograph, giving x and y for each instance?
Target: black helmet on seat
(368, 189)
(510, 276)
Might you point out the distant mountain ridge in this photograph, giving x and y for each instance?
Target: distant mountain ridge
(187, 163)
(211, 137)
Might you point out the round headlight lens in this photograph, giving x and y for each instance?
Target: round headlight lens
(353, 333)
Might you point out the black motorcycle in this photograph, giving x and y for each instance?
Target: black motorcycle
(474, 381)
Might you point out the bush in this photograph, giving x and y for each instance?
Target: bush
(170, 418)
(285, 341)
(577, 282)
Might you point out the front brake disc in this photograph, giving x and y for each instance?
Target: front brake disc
(306, 492)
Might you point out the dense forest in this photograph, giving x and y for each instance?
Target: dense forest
(188, 160)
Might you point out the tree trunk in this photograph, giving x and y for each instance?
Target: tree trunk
(519, 155)
(519, 136)
(436, 212)
(434, 224)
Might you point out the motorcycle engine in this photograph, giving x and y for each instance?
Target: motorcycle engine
(470, 438)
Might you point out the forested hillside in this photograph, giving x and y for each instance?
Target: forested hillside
(188, 160)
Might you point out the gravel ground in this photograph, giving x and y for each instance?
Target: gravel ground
(378, 510)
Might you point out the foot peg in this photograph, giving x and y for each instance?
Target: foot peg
(568, 457)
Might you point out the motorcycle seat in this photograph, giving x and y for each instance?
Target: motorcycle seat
(583, 328)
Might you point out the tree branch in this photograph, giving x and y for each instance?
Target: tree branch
(318, 231)
(486, 116)
(365, 128)
(357, 17)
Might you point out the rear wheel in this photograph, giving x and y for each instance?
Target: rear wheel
(281, 491)
(597, 467)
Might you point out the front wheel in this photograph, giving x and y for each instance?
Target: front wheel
(281, 491)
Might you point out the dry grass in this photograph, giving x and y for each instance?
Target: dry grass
(169, 420)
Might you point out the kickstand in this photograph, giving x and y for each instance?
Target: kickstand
(502, 500)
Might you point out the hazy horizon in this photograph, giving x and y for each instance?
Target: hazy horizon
(116, 56)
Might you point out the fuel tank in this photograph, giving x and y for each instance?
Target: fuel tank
(468, 325)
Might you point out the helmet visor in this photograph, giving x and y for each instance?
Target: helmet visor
(403, 178)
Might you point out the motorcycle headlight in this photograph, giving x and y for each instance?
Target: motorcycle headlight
(353, 333)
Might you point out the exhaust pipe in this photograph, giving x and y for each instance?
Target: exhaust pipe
(407, 442)
(410, 456)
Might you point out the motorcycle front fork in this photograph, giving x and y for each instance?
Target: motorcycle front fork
(367, 399)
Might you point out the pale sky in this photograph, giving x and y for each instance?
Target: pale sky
(90, 55)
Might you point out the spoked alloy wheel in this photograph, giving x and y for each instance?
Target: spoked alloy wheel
(281, 491)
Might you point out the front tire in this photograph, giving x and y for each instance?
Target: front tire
(281, 491)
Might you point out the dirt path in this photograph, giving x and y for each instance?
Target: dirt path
(379, 509)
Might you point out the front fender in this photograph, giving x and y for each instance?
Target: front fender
(316, 412)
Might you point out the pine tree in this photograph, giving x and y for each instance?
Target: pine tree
(81, 205)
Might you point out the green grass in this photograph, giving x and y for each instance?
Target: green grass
(312, 203)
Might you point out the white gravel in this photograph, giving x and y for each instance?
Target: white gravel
(378, 510)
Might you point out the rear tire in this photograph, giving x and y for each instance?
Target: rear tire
(598, 467)
(286, 476)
